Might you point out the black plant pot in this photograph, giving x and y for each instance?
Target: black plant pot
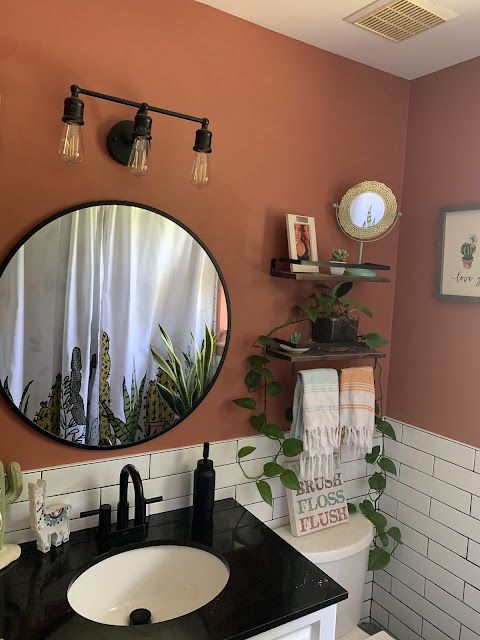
(343, 329)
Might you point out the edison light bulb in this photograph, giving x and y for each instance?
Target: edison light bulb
(138, 161)
(200, 172)
(70, 148)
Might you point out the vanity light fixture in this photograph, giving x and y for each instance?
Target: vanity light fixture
(129, 142)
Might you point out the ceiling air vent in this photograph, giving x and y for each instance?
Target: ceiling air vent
(400, 19)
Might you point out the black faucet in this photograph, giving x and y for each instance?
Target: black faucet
(140, 522)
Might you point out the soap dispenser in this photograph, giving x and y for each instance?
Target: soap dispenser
(204, 484)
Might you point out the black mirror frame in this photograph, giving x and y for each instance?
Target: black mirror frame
(98, 203)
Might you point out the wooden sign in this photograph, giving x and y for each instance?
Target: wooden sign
(318, 504)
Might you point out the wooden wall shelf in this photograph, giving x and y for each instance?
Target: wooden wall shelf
(325, 277)
(326, 354)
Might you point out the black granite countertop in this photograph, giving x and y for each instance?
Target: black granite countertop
(270, 584)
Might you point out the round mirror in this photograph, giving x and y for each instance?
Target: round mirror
(114, 323)
(367, 211)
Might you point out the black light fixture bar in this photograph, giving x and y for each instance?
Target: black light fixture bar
(76, 90)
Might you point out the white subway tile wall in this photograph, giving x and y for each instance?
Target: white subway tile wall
(432, 591)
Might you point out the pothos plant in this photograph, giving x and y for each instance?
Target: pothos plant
(261, 378)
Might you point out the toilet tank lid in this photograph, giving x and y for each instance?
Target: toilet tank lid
(332, 544)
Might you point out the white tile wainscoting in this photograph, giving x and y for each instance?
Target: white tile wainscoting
(431, 589)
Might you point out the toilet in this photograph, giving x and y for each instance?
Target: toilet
(342, 552)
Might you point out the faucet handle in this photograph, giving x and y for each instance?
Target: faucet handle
(152, 500)
(104, 520)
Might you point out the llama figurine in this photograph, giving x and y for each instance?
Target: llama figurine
(50, 524)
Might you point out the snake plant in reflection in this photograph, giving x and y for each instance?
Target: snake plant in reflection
(188, 375)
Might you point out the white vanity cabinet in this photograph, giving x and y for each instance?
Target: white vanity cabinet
(319, 625)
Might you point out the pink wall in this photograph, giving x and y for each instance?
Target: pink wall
(293, 126)
(434, 360)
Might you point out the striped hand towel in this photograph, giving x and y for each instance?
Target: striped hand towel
(357, 407)
(316, 421)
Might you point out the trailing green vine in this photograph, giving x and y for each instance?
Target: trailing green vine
(329, 303)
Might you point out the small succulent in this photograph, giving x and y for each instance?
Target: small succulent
(339, 255)
(295, 337)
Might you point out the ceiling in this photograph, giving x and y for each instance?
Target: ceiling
(321, 23)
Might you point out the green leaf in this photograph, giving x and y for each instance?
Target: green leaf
(371, 457)
(387, 465)
(246, 403)
(341, 289)
(385, 427)
(354, 304)
(271, 431)
(289, 479)
(377, 481)
(352, 508)
(374, 340)
(292, 447)
(378, 520)
(383, 539)
(257, 422)
(257, 361)
(266, 373)
(266, 341)
(274, 388)
(272, 469)
(365, 506)
(311, 313)
(253, 379)
(378, 559)
(289, 414)
(395, 534)
(265, 491)
(245, 451)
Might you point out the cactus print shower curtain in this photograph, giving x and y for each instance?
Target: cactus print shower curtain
(82, 300)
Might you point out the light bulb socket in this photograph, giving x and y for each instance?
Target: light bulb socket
(203, 140)
(73, 110)
(142, 125)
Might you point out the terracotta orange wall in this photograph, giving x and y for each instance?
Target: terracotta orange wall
(293, 126)
(434, 360)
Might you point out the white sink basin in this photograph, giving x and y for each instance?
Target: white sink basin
(168, 580)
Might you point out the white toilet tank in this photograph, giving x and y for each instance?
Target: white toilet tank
(342, 552)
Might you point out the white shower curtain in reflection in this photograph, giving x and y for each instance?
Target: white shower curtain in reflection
(83, 303)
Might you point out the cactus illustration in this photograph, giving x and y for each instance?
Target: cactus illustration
(10, 489)
(48, 416)
(157, 411)
(105, 397)
(467, 250)
(76, 400)
(339, 255)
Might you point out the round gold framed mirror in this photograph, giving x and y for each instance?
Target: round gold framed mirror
(367, 211)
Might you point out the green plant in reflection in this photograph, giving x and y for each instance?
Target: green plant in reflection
(187, 376)
(125, 430)
(23, 406)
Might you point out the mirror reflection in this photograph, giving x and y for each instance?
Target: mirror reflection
(113, 322)
(367, 210)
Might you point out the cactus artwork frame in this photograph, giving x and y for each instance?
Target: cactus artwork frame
(459, 264)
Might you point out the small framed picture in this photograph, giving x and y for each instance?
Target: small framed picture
(459, 263)
(302, 241)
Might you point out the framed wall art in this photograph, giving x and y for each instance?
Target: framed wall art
(459, 262)
(302, 241)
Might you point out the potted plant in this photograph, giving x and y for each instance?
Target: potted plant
(338, 255)
(332, 319)
(467, 250)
